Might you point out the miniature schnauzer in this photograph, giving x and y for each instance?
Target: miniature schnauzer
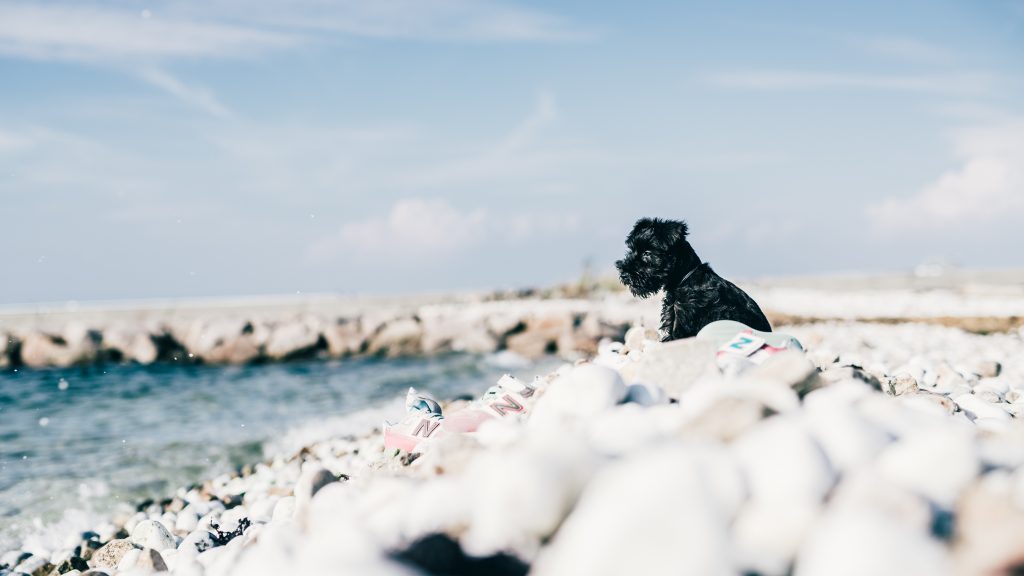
(659, 257)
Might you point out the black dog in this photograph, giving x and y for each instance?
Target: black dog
(660, 257)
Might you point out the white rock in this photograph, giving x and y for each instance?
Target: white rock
(187, 520)
(645, 394)
(196, 542)
(866, 536)
(628, 521)
(129, 560)
(848, 439)
(783, 463)
(585, 391)
(312, 480)
(152, 534)
(229, 519)
(976, 407)
(937, 463)
(284, 509)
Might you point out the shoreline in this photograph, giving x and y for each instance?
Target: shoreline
(565, 321)
(888, 450)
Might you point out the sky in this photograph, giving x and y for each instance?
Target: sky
(156, 149)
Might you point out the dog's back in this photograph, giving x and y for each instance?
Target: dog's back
(705, 297)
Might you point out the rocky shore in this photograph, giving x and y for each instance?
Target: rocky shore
(886, 450)
(528, 327)
(567, 322)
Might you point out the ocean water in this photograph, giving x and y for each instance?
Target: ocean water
(78, 444)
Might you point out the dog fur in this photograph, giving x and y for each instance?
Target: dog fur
(660, 258)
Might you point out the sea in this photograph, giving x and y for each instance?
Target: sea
(79, 445)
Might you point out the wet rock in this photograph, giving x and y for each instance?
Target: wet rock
(111, 553)
(399, 337)
(152, 534)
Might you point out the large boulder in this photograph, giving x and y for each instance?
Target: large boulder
(123, 343)
(294, 339)
(399, 337)
(344, 338)
(456, 333)
(674, 365)
(225, 341)
(542, 335)
(76, 344)
(7, 343)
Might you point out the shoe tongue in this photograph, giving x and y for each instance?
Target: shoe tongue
(510, 384)
(421, 402)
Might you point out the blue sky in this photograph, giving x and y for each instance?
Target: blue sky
(179, 149)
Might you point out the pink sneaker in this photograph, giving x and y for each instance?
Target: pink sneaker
(422, 422)
(508, 398)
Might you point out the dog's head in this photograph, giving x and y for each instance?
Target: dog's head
(657, 250)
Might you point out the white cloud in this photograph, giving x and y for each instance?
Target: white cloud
(987, 187)
(909, 49)
(414, 230)
(194, 96)
(961, 83)
(119, 33)
(93, 34)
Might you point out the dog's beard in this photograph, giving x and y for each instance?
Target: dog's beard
(639, 283)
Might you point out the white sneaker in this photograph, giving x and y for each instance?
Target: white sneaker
(422, 422)
(508, 398)
(743, 347)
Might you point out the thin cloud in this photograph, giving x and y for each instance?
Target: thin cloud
(93, 34)
(90, 32)
(194, 96)
(986, 187)
(414, 230)
(908, 49)
(803, 80)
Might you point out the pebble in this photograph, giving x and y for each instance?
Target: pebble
(935, 463)
(628, 518)
(313, 479)
(774, 477)
(901, 384)
(34, 566)
(586, 390)
(152, 534)
(196, 542)
(111, 553)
